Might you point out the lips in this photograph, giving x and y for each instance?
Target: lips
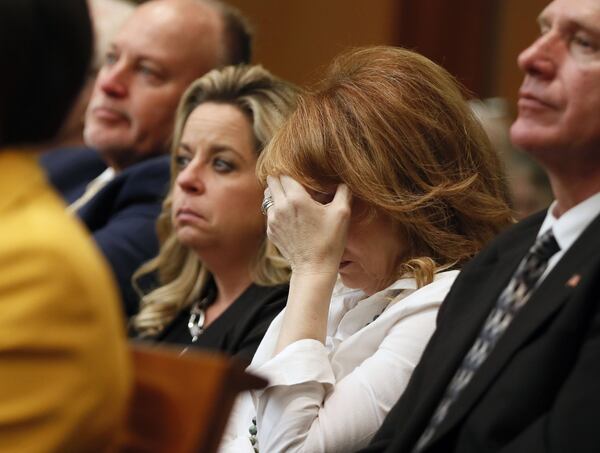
(528, 100)
(187, 214)
(343, 264)
(109, 114)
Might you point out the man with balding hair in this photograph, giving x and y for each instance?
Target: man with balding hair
(161, 49)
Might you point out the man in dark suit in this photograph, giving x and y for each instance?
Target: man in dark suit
(116, 187)
(514, 365)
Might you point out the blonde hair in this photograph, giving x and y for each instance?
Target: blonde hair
(266, 101)
(395, 128)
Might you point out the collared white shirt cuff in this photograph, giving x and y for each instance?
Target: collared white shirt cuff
(300, 362)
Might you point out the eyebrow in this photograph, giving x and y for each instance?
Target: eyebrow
(143, 57)
(589, 27)
(214, 149)
(571, 22)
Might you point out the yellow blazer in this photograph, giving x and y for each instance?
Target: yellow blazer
(64, 368)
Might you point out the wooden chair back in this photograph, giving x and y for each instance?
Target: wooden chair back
(180, 404)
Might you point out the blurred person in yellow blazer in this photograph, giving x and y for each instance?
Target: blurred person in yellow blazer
(64, 378)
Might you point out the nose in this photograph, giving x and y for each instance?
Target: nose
(191, 178)
(113, 79)
(540, 58)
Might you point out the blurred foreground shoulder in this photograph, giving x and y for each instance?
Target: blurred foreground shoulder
(65, 371)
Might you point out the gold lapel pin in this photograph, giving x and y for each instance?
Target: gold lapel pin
(574, 280)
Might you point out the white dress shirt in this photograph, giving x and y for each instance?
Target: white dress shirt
(569, 226)
(333, 397)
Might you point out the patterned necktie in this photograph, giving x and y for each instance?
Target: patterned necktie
(514, 296)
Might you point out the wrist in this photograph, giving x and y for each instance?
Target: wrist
(315, 268)
(319, 284)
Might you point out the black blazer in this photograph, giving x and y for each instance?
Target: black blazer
(121, 216)
(539, 390)
(240, 329)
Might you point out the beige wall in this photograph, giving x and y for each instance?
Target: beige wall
(517, 29)
(295, 39)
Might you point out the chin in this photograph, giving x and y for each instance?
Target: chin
(91, 134)
(106, 138)
(185, 237)
(190, 238)
(529, 137)
(353, 282)
(99, 139)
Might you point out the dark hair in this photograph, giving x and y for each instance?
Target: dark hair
(237, 34)
(46, 47)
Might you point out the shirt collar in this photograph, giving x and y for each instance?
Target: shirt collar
(356, 295)
(353, 296)
(569, 226)
(106, 175)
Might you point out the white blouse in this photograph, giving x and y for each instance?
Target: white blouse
(334, 397)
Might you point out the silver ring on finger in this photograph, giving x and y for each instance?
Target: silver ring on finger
(266, 204)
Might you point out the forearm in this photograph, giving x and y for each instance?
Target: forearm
(307, 308)
(307, 408)
(312, 237)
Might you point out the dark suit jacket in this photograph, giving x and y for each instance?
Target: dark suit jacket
(122, 216)
(539, 390)
(70, 170)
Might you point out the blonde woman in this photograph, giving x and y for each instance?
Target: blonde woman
(381, 185)
(220, 282)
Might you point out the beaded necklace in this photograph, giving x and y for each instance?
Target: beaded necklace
(253, 432)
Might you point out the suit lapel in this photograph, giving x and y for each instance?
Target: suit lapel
(477, 289)
(469, 317)
(545, 301)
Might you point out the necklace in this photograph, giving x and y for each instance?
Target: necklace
(197, 318)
